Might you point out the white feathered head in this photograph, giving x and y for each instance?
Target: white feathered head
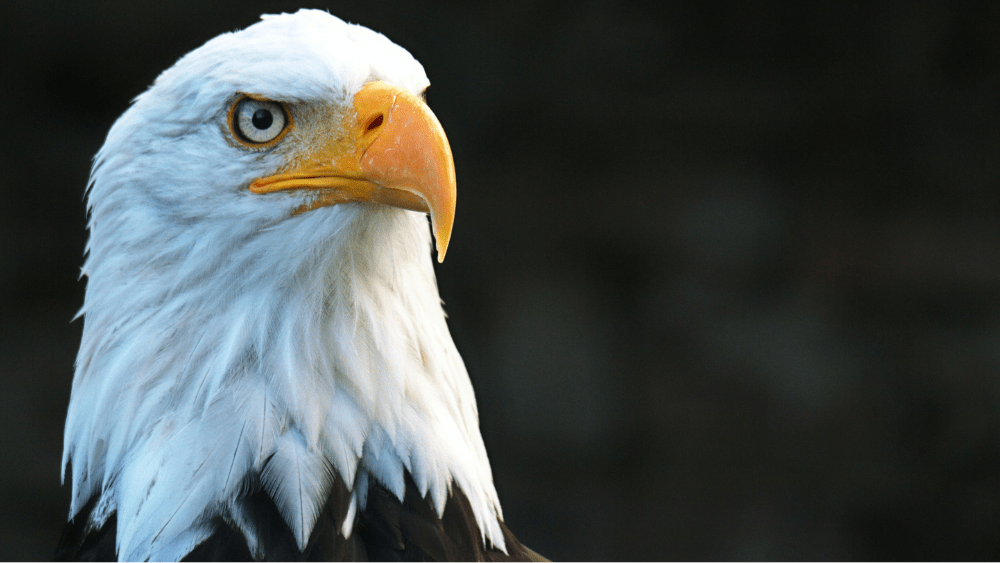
(261, 297)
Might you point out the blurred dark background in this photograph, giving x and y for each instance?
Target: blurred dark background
(726, 275)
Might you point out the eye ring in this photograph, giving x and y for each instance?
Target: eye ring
(256, 122)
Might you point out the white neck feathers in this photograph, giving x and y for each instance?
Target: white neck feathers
(307, 350)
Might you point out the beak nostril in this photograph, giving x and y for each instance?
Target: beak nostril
(374, 123)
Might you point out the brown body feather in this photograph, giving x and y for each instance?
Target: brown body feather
(386, 530)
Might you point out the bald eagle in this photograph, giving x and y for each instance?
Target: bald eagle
(265, 370)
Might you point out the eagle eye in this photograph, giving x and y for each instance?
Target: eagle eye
(257, 122)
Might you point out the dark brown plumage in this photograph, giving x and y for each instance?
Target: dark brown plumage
(386, 530)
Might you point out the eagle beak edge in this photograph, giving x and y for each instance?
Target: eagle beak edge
(393, 152)
(411, 153)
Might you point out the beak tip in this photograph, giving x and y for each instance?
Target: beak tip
(442, 249)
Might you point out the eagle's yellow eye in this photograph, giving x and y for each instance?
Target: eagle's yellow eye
(257, 122)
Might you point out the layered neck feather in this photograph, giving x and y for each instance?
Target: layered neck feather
(301, 350)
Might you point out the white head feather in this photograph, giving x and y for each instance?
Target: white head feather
(223, 335)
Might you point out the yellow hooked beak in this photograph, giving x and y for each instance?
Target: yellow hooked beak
(393, 151)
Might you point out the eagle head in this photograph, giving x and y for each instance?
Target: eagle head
(261, 313)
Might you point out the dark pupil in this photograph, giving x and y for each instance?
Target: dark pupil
(262, 119)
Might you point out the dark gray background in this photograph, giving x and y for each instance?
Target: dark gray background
(726, 277)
